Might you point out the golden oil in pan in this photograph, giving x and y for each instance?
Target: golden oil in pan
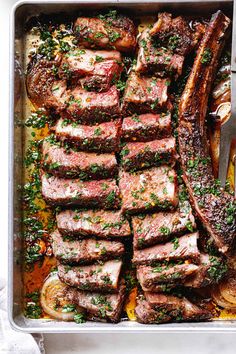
(34, 277)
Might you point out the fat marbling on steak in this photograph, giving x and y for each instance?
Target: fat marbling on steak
(98, 223)
(95, 277)
(85, 250)
(103, 137)
(69, 163)
(214, 207)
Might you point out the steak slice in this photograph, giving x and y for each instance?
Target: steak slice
(145, 94)
(140, 155)
(84, 251)
(175, 34)
(168, 274)
(96, 70)
(100, 307)
(181, 248)
(147, 315)
(104, 137)
(106, 31)
(152, 58)
(98, 277)
(97, 223)
(43, 87)
(215, 208)
(180, 309)
(146, 190)
(146, 127)
(84, 165)
(210, 271)
(159, 227)
(92, 107)
(62, 191)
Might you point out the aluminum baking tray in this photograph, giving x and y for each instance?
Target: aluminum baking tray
(20, 13)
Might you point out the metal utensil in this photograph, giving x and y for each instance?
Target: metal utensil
(228, 129)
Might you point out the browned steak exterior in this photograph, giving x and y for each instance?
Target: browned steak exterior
(145, 94)
(103, 137)
(140, 155)
(146, 190)
(43, 88)
(102, 277)
(216, 209)
(159, 227)
(99, 223)
(179, 249)
(100, 307)
(96, 70)
(84, 251)
(159, 60)
(146, 127)
(149, 276)
(84, 165)
(107, 31)
(92, 107)
(62, 191)
(147, 315)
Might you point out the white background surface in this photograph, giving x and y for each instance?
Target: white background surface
(90, 344)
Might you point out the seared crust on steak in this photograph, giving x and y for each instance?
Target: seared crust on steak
(103, 137)
(183, 248)
(100, 307)
(107, 32)
(64, 191)
(140, 155)
(84, 251)
(215, 208)
(146, 127)
(84, 165)
(99, 223)
(102, 277)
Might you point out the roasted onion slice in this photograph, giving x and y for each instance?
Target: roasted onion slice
(225, 293)
(53, 300)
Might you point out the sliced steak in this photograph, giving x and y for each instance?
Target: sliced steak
(159, 227)
(98, 277)
(97, 223)
(180, 309)
(146, 127)
(168, 274)
(147, 190)
(147, 315)
(181, 248)
(92, 107)
(104, 137)
(106, 31)
(84, 251)
(210, 270)
(140, 155)
(96, 70)
(84, 165)
(145, 94)
(175, 34)
(100, 307)
(215, 208)
(62, 191)
(43, 87)
(152, 58)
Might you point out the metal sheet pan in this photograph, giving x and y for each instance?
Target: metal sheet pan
(20, 13)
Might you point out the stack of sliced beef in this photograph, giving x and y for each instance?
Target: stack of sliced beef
(101, 187)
